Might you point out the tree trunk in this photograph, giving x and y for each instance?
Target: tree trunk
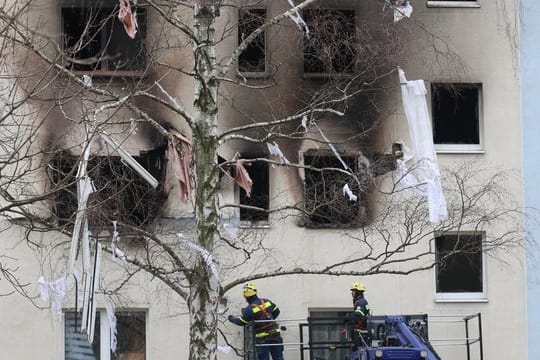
(204, 282)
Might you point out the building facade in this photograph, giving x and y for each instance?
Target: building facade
(466, 52)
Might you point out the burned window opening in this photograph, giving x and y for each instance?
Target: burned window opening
(456, 114)
(121, 194)
(332, 44)
(253, 58)
(325, 203)
(97, 40)
(259, 173)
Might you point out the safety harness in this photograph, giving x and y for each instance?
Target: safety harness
(267, 328)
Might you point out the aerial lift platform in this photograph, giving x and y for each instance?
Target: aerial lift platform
(388, 337)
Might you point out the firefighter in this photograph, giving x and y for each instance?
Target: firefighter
(261, 313)
(360, 306)
(357, 320)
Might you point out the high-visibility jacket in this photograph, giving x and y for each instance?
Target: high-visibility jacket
(360, 313)
(258, 310)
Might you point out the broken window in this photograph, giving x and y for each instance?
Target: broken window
(253, 58)
(258, 172)
(121, 194)
(332, 43)
(456, 116)
(130, 337)
(326, 204)
(97, 42)
(459, 270)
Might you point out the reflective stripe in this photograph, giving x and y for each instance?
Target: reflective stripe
(256, 308)
(242, 320)
(264, 333)
(361, 312)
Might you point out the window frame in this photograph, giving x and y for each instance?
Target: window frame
(108, 72)
(453, 4)
(258, 222)
(326, 74)
(104, 328)
(328, 313)
(62, 171)
(461, 296)
(362, 201)
(461, 148)
(254, 74)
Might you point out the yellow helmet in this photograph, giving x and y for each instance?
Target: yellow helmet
(249, 290)
(358, 286)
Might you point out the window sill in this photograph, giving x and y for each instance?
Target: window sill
(458, 151)
(110, 73)
(452, 4)
(326, 76)
(464, 300)
(253, 75)
(254, 225)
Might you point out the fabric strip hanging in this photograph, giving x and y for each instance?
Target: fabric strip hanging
(242, 177)
(181, 164)
(426, 171)
(128, 19)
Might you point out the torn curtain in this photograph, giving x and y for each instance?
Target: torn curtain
(413, 94)
(128, 19)
(181, 164)
(242, 178)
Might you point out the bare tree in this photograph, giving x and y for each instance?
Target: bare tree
(72, 103)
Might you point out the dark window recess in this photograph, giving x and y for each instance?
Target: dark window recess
(332, 44)
(326, 205)
(455, 110)
(253, 58)
(96, 39)
(459, 263)
(258, 171)
(130, 337)
(121, 194)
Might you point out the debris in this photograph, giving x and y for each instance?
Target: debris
(402, 8)
(297, 19)
(204, 253)
(127, 18)
(304, 122)
(224, 349)
(347, 191)
(116, 252)
(275, 150)
(331, 146)
(130, 160)
(111, 317)
(85, 187)
(87, 80)
(55, 291)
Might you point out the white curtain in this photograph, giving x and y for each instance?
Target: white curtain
(426, 169)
